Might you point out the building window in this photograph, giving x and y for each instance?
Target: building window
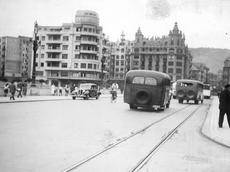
(122, 63)
(83, 65)
(64, 47)
(64, 73)
(78, 38)
(171, 63)
(122, 50)
(122, 57)
(178, 70)
(78, 29)
(170, 70)
(77, 56)
(65, 38)
(64, 56)
(95, 66)
(117, 62)
(43, 38)
(42, 56)
(178, 63)
(43, 47)
(42, 64)
(64, 65)
(179, 57)
(117, 57)
(90, 66)
(75, 65)
(77, 47)
(117, 69)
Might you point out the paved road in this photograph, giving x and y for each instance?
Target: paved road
(52, 136)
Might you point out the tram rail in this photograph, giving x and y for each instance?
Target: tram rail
(124, 139)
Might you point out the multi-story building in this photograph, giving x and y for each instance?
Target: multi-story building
(15, 57)
(71, 53)
(119, 61)
(167, 54)
(226, 71)
(200, 72)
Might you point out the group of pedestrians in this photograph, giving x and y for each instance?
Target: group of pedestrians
(59, 91)
(13, 88)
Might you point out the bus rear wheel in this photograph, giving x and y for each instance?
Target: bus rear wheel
(131, 106)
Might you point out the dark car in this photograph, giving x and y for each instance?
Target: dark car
(86, 91)
(147, 89)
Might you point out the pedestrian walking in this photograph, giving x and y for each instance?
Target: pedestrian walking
(6, 89)
(60, 91)
(53, 89)
(224, 105)
(12, 88)
(66, 90)
(24, 88)
(114, 89)
(19, 89)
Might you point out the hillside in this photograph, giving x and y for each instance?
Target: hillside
(212, 57)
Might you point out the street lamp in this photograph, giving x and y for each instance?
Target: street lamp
(35, 47)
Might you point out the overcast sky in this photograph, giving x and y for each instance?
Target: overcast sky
(205, 23)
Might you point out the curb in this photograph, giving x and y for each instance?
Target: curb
(40, 100)
(208, 136)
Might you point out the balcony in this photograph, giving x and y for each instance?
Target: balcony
(89, 42)
(89, 33)
(51, 49)
(89, 51)
(56, 41)
(53, 59)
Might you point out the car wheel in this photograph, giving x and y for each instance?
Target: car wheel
(167, 105)
(73, 98)
(196, 102)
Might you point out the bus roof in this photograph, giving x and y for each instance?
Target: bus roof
(161, 77)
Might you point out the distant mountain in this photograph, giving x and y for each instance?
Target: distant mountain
(212, 57)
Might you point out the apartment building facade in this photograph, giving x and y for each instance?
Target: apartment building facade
(168, 54)
(72, 52)
(15, 57)
(119, 60)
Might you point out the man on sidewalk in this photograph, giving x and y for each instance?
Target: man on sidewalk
(224, 105)
(12, 88)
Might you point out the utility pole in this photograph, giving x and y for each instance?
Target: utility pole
(35, 47)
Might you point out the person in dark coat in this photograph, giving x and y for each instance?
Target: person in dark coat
(19, 89)
(12, 88)
(224, 105)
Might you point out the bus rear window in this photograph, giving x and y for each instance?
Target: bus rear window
(207, 87)
(150, 81)
(138, 80)
(185, 84)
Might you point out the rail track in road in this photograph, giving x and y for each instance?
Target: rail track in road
(133, 134)
(145, 159)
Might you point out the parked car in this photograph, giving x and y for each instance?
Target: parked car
(86, 91)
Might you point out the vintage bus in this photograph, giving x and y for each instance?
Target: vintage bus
(189, 90)
(147, 89)
(207, 91)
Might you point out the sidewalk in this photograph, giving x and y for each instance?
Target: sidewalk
(210, 127)
(43, 98)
